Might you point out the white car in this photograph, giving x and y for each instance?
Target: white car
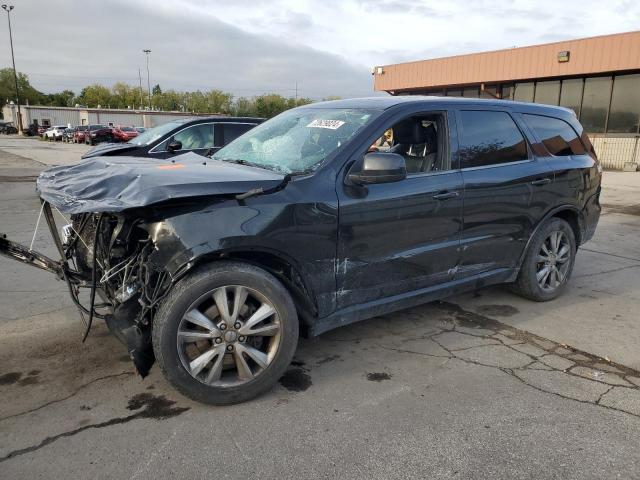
(54, 133)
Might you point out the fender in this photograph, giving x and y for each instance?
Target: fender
(546, 217)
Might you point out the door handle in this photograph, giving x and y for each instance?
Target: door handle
(542, 181)
(445, 195)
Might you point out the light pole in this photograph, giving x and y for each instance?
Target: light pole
(147, 52)
(8, 8)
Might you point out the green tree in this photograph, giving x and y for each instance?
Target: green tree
(94, 95)
(28, 94)
(156, 90)
(61, 99)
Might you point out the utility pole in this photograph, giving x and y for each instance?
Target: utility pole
(8, 8)
(140, 79)
(296, 93)
(147, 52)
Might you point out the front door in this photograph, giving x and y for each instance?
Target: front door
(397, 238)
(197, 138)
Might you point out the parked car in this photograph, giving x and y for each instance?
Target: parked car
(41, 130)
(79, 134)
(308, 222)
(98, 133)
(67, 135)
(124, 134)
(8, 128)
(201, 135)
(140, 129)
(54, 133)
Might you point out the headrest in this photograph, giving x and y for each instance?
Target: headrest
(409, 132)
(431, 138)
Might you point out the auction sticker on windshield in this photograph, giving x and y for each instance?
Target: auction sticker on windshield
(330, 124)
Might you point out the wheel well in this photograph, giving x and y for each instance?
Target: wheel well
(572, 218)
(283, 271)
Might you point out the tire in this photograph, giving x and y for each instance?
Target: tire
(203, 287)
(529, 284)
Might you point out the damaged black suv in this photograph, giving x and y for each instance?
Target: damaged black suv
(324, 215)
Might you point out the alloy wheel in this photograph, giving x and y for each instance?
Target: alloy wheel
(229, 336)
(553, 261)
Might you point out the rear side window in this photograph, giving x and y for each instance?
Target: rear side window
(556, 135)
(490, 138)
(234, 130)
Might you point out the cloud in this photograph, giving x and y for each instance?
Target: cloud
(103, 43)
(253, 46)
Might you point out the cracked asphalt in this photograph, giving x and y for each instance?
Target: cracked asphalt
(484, 385)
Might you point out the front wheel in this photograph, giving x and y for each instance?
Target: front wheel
(549, 261)
(226, 333)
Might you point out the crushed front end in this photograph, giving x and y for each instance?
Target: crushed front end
(105, 264)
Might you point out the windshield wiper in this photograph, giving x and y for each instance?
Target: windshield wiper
(260, 191)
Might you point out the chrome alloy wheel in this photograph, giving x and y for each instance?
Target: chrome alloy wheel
(229, 336)
(552, 263)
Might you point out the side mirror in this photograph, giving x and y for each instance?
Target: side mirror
(174, 145)
(378, 167)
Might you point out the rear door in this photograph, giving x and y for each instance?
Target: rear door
(506, 189)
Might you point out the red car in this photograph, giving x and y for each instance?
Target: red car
(124, 134)
(78, 135)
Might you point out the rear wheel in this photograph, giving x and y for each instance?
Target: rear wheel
(549, 261)
(226, 333)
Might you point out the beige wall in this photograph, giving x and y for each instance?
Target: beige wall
(609, 53)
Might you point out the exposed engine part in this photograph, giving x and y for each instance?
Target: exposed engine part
(65, 233)
(126, 292)
(137, 338)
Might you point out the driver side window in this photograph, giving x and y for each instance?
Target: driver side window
(420, 139)
(196, 137)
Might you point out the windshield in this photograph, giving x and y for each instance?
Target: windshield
(298, 140)
(152, 134)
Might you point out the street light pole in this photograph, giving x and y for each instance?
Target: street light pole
(8, 8)
(147, 52)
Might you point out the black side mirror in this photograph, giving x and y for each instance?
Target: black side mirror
(378, 167)
(174, 145)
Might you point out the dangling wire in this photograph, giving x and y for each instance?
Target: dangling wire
(94, 279)
(36, 230)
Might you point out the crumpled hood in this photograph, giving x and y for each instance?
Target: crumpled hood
(114, 184)
(108, 149)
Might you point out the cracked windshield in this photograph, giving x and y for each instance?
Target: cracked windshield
(297, 141)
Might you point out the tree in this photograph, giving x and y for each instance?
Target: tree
(156, 90)
(61, 99)
(94, 95)
(28, 94)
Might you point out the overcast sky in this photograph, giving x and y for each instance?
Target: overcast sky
(251, 47)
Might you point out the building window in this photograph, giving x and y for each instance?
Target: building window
(625, 105)
(548, 92)
(471, 92)
(507, 92)
(490, 91)
(523, 92)
(595, 103)
(46, 122)
(556, 135)
(571, 94)
(489, 138)
(454, 93)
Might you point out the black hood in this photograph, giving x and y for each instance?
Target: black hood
(114, 184)
(109, 149)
